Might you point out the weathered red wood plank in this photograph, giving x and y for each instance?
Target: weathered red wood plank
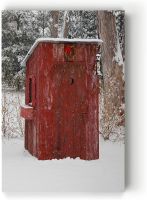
(65, 102)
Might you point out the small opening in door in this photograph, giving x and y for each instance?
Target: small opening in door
(71, 81)
(30, 90)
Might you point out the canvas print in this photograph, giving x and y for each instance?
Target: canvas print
(63, 102)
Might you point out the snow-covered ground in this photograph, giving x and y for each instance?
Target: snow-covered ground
(22, 172)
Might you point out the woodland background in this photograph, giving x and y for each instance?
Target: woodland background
(19, 31)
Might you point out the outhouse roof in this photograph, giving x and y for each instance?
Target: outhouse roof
(57, 40)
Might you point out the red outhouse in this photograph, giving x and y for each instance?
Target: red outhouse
(61, 97)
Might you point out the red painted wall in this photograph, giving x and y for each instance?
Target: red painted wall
(64, 86)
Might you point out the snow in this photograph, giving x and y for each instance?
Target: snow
(57, 40)
(12, 124)
(26, 106)
(118, 55)
(24, 173)
(64, 22)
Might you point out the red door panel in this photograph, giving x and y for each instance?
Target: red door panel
(69, 109)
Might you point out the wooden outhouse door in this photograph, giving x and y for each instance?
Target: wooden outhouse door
(70, 109)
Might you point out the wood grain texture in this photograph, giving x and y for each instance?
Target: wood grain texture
(65, 101)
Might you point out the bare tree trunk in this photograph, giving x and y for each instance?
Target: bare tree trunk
(17, 18)
(66, 25)
(107, 32)
(43, 23)
(113, 83)
(54, 28)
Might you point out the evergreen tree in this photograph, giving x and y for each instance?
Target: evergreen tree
(19, 31)
(89, 24)
(75, 24)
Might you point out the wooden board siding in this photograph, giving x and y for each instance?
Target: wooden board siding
(65, 92)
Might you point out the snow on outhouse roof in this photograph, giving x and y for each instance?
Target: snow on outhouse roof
(57, 40)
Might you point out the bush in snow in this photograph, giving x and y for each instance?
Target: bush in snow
(12, 123)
